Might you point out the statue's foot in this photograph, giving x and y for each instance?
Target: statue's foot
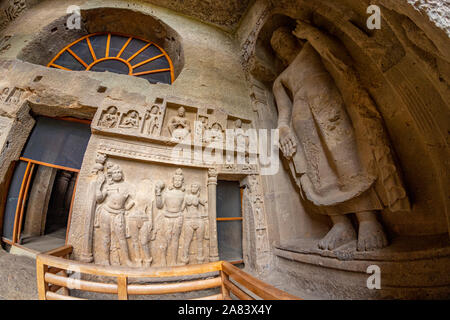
(340, 234)
(148, 262)
(371, 236)
(200, 260)
(184, 260)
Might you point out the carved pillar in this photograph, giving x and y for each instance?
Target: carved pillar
(62, 183)
(212, 187)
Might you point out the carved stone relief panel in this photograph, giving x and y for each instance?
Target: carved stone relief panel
(179, 122)
(10, 10)
(166, 123)
(146, 214)
(144, 120)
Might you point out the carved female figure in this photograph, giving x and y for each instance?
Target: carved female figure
(194, 223)
(139, 229)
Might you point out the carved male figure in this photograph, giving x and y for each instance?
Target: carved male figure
(152, 118)
(5, 94)
(172, 203)
(179, 127)
(131, 120)
(319, 140)
(194, 223)
(116, 201)
(110, 118)
(214, 134)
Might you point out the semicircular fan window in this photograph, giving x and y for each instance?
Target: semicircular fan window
(116, 53)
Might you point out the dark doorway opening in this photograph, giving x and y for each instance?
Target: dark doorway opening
(229, 221)
(39, 203)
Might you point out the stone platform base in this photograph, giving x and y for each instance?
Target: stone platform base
(411, 268)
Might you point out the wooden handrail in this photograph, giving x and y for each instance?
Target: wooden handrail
(53, 266)
(258, 287)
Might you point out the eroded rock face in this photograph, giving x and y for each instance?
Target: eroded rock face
(225, 14)
(438, 12)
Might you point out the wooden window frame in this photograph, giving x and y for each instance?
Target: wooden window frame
(24, 191)
(131, 67)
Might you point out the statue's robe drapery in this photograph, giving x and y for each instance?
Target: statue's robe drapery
(343, 162)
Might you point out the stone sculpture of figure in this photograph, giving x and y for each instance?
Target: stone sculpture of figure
(194, 223)
(179, 127)
(99, 165)
(241, 138)
(139, 229)
(110, 118)
(152, 118)
(16, 95)
(131, 120)
(319, 134)
(5, 94)
(172, 204)
(116, 201)
(214, 134)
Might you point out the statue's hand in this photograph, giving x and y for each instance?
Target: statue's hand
(288, 144)
(303, 30)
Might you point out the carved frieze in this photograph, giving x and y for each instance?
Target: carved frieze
(255, 195)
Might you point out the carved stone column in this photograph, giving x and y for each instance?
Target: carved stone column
(212, 188)
(62, 184)
(69, 192)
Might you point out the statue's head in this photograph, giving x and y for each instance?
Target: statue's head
(181, 112)
(195, 188)
(238, 123)
(216, 126)
(100, 158)
(178, 179)
(116, 173)
(112, 110)
(155, 109)
(134, 114)
(285, 44)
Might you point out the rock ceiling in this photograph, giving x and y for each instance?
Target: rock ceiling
(223, 13)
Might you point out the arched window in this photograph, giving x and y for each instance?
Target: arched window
(116, 53)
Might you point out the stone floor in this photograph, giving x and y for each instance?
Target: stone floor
(17, 277)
